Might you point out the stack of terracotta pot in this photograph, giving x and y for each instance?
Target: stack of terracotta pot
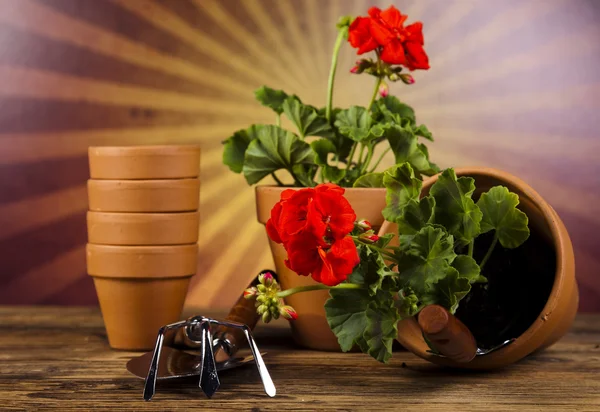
(142, 233)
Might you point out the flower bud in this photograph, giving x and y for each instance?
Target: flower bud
(262, 309)
(266, 317)
(266, 278)
(407, 79)
(384, 90)
(364, 224)
(274, 301)
(250, 293)
(262, 298)
(393, 77)
(370, 238)
(288, 312)
(355, 70)
(274, 310)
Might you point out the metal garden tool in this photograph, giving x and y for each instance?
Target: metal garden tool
(449, 336)
(201, 346)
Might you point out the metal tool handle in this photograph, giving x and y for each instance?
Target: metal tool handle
(447, 334)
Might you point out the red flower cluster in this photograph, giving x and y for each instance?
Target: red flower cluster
(313, 226)
(385, 31)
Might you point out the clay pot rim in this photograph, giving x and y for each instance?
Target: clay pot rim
(144, 215)
(143, 181)
(145, 149)
(559, 242)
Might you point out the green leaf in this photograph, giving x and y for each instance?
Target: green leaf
(304, 174)
(468, 268)
(357, 124)
(322, 148)
(306, 118)
(235, 148)
(346, 315)
(423, 131)
(403, 143)
(402, 185)
(416, 214)
(333, 174)
(274, 149)
(454, 208)
(374, 179)
(448, 291)
(426, 260)
(393, 110)
(381, 329)
(271, 98)
(500, 213)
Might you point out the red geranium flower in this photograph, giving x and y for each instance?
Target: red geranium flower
(329, 266)
(359, 35)
(331, 215)
(396, 44)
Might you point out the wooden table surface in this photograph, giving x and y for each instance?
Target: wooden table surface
(58, 358)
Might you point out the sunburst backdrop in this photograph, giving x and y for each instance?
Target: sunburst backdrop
(513, 84)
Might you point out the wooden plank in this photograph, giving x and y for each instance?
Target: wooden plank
(58, 358)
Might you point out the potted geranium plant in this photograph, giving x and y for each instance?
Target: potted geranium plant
(468, 249)
(337, 145)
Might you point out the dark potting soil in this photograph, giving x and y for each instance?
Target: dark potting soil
(519, 284)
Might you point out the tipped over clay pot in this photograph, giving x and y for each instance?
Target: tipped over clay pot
(144, 162)
(558, 302)
(140, 289)
(111, 228)
(181, 195)
(311, 329)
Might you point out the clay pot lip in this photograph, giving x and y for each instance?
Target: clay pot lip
(148, 150)
(137, 249)
(143, 182)
(278, 189)
(142, 216)
(560, 242)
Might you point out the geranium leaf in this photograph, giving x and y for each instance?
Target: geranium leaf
(357, 124)
(382, 329)
(346, 316)
(454, 208)
(416, 214)
(235, 148)
(468, 268)
(393, 110)
(423, 132)
(426, 260)
(403, 143)
(322, 148)
(369, 180)
(306, 118)
(448, 291)
(304, 173)
(500, 213)
(333, 174)
(274, 148)
(271, 98)
(402, 185)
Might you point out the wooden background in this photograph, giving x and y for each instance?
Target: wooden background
(514, 84)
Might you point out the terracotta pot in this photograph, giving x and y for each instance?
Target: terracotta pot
(144, 162)
(180, 195)
(142, 228)
(140, 289)
(311, 328)
(559, 312)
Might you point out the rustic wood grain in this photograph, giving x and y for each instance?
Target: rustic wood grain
(58, 358)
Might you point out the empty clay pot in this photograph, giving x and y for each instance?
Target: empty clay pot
(111, 228)
(144, 162)
(559, 311)
(140, 289)
(181, 195)
(311, 328)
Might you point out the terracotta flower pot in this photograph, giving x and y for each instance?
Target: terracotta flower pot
(181, 195)
(112, 228)
(140, 289)
(561, 305)
(311, 328)
(144, 162)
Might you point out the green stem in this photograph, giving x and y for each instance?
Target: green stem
(489, 252)
(377, 84)
(471, 247)
(360, 155)
(369, 157)
(377, 248)
(334, 59)
(299, 289)
(352, 153)
(278, 119)
(279, 182)
(380, 159)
